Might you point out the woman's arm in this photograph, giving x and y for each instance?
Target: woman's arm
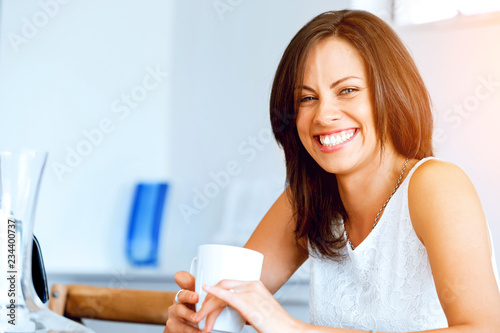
(275, 238)
(448, 218)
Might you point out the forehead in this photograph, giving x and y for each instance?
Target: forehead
(334, 58)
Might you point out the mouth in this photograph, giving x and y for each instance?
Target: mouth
(337, 138)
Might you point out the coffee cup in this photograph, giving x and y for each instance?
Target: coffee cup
(223, 262)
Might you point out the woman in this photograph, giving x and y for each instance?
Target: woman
(397, 239)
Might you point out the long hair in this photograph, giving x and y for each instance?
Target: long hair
(402, 113)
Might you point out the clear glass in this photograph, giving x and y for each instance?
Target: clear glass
(20, 308)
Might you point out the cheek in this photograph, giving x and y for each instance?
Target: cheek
(366, 118)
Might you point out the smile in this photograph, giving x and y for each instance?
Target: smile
(334, 139)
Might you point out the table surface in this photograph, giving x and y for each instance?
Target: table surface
(293, 296)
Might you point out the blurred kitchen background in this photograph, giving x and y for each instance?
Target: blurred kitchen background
(121, 92)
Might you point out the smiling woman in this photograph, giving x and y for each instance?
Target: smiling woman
(387, 226)
(329, 114)
(364, 67)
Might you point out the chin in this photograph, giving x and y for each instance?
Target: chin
(333, 168)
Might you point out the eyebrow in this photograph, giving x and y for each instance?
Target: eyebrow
(339, 81)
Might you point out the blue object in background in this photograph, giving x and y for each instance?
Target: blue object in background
(145, 222)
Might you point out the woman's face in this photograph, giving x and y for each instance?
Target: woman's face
(335, 119)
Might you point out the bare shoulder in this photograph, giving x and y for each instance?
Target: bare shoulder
(434, 174)
(441, 194)
(438, 180)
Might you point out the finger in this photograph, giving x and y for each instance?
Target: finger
(176, 326)
(222, 294)
(208, 306)
(185, 280)
(180, 311)
(240, 287)
(190, 323)
(189, 329)
(229, 284)
(207, 299)
(187, 296)
(210, 322)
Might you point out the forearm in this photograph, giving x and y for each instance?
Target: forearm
(274, 237)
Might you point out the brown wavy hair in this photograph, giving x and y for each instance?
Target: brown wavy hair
(402, 112)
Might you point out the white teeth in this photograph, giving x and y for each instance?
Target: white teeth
(333, 140)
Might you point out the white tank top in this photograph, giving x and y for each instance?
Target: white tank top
(385, 284)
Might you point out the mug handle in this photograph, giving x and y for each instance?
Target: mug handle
(193, 269)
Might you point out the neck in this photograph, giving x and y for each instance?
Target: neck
(364, 191)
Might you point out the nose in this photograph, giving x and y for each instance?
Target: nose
(327, 112)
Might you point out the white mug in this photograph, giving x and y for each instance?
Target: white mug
(223, 262)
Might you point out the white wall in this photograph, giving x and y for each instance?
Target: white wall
(67, 76)
(456, 57)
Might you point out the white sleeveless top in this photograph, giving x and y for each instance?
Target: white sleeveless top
(385, 284)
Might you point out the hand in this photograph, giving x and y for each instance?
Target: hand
(255, 304)
(211, 309)
(180, 315)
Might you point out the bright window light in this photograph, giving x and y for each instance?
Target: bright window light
(404, 12)
(424, 11)
(468, 7)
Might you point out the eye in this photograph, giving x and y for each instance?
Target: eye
(347, 91)
(306, 99)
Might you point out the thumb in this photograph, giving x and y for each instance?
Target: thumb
(185, 280)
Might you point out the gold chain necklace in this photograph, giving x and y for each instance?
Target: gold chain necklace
(377, 218)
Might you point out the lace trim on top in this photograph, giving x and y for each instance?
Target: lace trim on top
(385, 284)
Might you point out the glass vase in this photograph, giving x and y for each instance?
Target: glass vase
(20, 308)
